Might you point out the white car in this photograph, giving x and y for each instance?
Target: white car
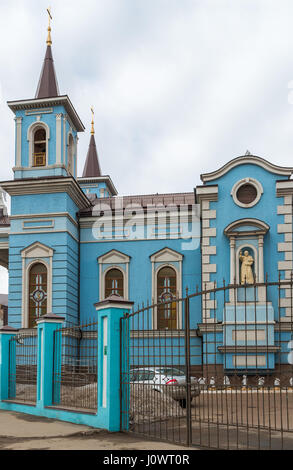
(165, 380)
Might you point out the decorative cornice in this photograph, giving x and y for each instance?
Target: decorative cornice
(246, 160)
(206, 193)
(48, 185)
(261, 228)
(47, 102)
(99, 179)
(284, 188)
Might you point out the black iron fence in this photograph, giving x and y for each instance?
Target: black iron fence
(75, 367)
(23, 350)
(221, 376)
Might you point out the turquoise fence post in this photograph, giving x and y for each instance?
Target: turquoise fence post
(47, 325)
(6, 334)
(110, 311)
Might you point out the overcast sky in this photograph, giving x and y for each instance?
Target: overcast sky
(179, 86)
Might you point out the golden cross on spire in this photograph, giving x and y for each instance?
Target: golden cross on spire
(49, 40)
(93, 122)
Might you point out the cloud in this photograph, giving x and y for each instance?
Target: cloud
(179, 86)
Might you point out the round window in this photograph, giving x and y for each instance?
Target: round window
(246, 194)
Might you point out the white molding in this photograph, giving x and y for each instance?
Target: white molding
(166, 255)
(58, 138)
(256, 184)
(206, 193)
(37, 251)
(46, 231)
(162, 258)
(48, 186)
(18, 121)
(44, 215)
(245, 160)
(48, 102)
(112, 259)
(231, 229)
(70, 164)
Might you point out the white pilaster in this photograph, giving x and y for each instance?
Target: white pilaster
(18, 121)
(59, 138)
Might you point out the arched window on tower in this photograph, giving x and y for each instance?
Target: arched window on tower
(37, 293)
(40, 147)
(70, 154)
(114, 283)
(166, 292)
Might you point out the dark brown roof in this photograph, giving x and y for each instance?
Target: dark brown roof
(120, 203)
(92, 166)
(48, 86)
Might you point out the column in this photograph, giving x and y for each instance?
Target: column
(110, 311)
(58, 138)
(260, 259)
(6, 334)
(47, 325)
(18, 121)
(232, 268)
(232, 260)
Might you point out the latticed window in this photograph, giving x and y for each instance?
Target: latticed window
(39, 156)
(37, 293)
(114, 283)
(247, 193)
(167, 291)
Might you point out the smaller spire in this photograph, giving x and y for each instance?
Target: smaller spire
(49, 39)
(92, 166)
(93, 122)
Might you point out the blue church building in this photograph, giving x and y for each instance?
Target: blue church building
(70, 241)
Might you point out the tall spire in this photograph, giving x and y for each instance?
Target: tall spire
(48, 86)
(92, 167)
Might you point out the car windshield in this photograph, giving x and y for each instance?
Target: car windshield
(171, 372)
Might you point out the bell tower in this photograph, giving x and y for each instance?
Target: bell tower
(46, 127)
(45, 202)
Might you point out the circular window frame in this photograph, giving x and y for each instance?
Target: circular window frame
(256, 184)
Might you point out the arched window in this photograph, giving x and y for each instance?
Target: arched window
(39, 147)
(37, 293)
(114, 283)
(167, 291)
(70, 154)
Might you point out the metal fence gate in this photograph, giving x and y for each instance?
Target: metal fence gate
(226, 382)
(23, 349)
(75, 367)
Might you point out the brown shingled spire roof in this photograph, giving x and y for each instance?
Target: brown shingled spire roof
(92, 166)
(48, 86)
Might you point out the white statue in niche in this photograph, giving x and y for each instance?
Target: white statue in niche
(246, 269)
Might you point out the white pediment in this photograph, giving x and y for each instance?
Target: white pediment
(37, 250)
(166, 255)
(113, 257)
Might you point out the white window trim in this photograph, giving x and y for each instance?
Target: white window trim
(125, 281)
(30, 138)
(112, 260)
(253, 182)
(165, 258)
(29, 252)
